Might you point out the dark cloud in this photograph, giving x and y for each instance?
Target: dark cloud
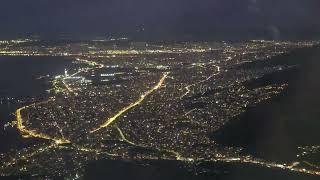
(169, 19)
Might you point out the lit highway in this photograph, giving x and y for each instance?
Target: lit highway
(139, 101)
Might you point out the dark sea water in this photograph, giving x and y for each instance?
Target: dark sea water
(274, 129)
(19, 81)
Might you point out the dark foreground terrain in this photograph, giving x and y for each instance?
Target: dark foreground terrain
(171, 170)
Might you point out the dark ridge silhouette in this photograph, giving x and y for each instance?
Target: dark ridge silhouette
(175, 170)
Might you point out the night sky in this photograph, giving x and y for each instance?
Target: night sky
(163, 19)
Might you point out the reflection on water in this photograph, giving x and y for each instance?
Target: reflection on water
(20, 84)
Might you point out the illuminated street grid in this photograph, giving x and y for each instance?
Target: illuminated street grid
(129, 100)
